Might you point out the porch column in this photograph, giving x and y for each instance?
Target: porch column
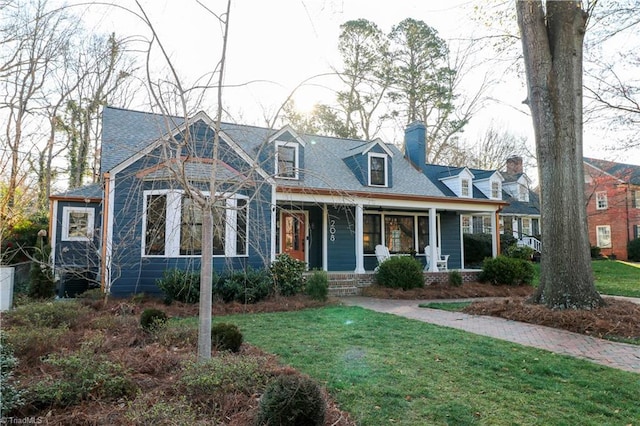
(495, 234)
(325, 237)
(433, 240)
(359, 237)
(273, 235)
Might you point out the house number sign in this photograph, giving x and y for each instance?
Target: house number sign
(332, 230)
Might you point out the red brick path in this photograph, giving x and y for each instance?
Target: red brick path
(616, 355)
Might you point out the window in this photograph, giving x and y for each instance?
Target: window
(173, 225)
(156, 215)
(636, 231)
(526, 226)
(77, 223)
(372, 232)
(486, 224)
(523, 193)
(602, 201)
(399, 233)
(464, 189)
(377, 170)
(603, 236)
(287, 160)
(636, 199)
(467, 225)
(495, 190)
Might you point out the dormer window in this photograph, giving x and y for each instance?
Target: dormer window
(495, 190)
(377, 170)
(523, 193)
(287, 160)
(465, 188)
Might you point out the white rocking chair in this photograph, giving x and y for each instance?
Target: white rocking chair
(442, 261)
(382, 254)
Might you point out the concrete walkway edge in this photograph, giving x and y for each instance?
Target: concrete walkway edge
(611, 354)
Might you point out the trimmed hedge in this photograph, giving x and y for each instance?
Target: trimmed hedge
(403, 272)
(506, 270)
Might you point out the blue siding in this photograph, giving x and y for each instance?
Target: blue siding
(450, 238)
(78, 254)
(358, 165)
(132, 273)
(341, 248)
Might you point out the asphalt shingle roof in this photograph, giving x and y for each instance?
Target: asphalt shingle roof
(626, 172)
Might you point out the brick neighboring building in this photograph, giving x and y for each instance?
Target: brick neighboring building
(612, 193)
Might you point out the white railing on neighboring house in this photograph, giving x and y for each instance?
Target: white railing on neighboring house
(532, 242)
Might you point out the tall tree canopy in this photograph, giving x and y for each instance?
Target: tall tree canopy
(552, 41)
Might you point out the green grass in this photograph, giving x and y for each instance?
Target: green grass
(446, 306)
(384, 369)
(612, 278)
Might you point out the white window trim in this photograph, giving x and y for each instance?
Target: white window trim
(602, 196)
(636, 194)
(66, 212)
(173, 224)
(470, 218)
(296, 159)
(498, 195)
(469, 189)
(386, 169)
(599, 243)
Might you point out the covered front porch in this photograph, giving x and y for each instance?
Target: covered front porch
(336, 235)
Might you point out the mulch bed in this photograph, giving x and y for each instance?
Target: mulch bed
(445, 291)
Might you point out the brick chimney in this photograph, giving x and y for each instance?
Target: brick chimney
(514, 165)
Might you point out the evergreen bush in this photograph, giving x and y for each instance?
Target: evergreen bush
(292, 400)
(477, 247)
(287, 275)
(455, 278)
(10, 395)
(152, 319)
(180, 285)
(506, 270)
(226, 337)
(403, 272)
(250, 286)
(317, 286)
(520, 252)
(633, 250)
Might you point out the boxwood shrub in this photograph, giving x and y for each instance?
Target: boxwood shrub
(403, 272)
(506, 270)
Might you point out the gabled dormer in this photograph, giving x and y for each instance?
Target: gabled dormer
(489, 182)
(371, 163)
(288, 154)
(459, 180)
(518, 188)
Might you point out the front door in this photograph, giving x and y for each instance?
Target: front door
(293, 235)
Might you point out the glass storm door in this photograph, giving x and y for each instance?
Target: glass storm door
(293, 230)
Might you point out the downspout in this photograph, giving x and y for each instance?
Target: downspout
(105, 227)
(497, 230)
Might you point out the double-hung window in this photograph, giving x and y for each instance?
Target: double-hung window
(377, 170)
(603, 236)
(467, 224)
(602, 202)
(287, 160)
(173, 225)
(495, 190)
(465, 188)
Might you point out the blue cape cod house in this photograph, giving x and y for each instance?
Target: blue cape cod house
(324, 200)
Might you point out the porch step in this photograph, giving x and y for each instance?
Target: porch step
(343, 287)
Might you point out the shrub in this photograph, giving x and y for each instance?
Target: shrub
(507, 240)
(250, 286)
(287, 275)
(596, 252)
(224, 373)
(317, 286)
(291, 400)
(226, 337)
(507, 270)
(47, 314)
(180, 285)
(10, 395)
(633, 250)
(41, 282)
(520, 252)
(148, 410)
(30, 344)
(455, 278)
(152, 319)
(400, 272)
(477, 247)
(178, 334)
(81, 376)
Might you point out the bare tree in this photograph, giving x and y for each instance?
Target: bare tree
(491, 149)
(552, 41)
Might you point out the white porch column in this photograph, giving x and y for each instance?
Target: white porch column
(272, 246)
(433, 240)
(359, 238)
(325, 237)
(495, 234)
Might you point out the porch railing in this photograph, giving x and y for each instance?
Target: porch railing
(532, 242)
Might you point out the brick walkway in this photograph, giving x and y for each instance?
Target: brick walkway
(616, 355)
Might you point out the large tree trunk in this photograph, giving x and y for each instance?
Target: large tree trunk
(552, 46)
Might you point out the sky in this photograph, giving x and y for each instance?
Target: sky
(276, 47)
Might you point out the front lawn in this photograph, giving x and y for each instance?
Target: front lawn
(612, 278)
(385, 369)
